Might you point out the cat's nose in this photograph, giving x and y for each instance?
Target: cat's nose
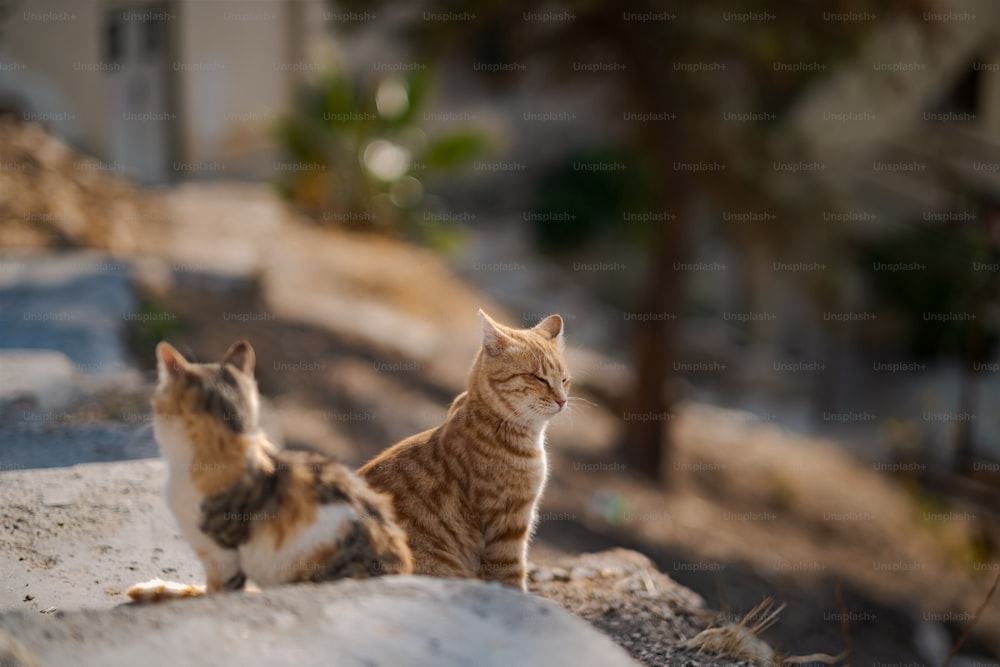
(560, 402)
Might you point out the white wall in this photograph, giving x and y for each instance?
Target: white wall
(49, 48)
(231, 70)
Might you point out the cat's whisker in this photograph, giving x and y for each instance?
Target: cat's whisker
(568, 412)
(576, 401)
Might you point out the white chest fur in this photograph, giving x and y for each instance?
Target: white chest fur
(183, 499)
(543, 469)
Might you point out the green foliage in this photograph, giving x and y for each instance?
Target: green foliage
(748, 79)
(360, 157)
(153, 326)
(586, 194)
(923, 272)
(455, 149)
(966, 547)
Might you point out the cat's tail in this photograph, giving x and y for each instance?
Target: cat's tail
(157, 590)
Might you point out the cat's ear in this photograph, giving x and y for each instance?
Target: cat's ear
(169, 362)
(552, 328)
(494, 340)
(241, 355)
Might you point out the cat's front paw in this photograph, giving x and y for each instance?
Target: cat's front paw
(157, 590)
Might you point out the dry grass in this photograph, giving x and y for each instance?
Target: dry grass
(741, 641)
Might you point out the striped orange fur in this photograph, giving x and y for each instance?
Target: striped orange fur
(467, 492)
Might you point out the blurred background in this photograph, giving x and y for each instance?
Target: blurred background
(772, 230)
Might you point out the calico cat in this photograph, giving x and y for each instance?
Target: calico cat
(248, 510)
(467, 491)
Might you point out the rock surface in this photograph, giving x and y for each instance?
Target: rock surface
(75, 538)
(623, 593)
(383, 621)
(46, 378)
(54, 196)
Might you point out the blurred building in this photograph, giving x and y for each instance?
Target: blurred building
(161, 90)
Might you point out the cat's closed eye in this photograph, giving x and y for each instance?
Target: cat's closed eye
(541, 379)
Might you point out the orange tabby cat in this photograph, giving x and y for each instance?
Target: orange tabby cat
(467, 491)
(247, 510)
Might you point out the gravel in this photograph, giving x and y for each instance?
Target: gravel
(622, 594)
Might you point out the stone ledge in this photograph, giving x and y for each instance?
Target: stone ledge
(75, 538)
(382, 621)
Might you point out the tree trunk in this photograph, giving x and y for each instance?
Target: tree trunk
(968, 391)
(646, 449)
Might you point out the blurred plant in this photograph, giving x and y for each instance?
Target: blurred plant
(661, 53)
(610, 506)
(941, 296)
(360, 156)
(154, 325)
(963, 541)
(593, 201)
(935, 303)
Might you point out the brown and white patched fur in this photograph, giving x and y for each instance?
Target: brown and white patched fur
(467, 492)
(249, 511)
